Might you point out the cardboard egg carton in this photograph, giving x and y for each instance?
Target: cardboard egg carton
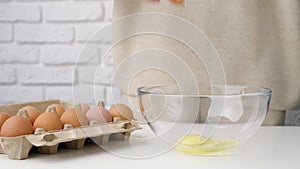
(69, 137)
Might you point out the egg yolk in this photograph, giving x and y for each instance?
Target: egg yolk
(198, 145)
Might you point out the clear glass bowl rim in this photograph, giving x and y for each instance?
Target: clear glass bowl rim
(265, 91)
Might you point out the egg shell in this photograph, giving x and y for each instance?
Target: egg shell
(3, 117)
(32, 112)
(84, 107)
(99, 114)
(122, 111)
(16, 125)
(58, 108)
(48, 121)
(74, 117)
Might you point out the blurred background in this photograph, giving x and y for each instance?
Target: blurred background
(40, 41)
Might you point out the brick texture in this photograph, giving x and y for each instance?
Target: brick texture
(19, 94)
(74, 12)
(86, 93)
(20, 12)
(8, 75)
(91, 32)
(31, 33)
(108, 10)
(43, 50)
(63, 93)
(100, 74)
(25, 54)
(45, 75)
(5, 32)
(70, 54)
(106, 55)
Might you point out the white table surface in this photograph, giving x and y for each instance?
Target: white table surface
(270, 147)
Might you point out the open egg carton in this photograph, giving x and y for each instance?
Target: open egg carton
(69, 137)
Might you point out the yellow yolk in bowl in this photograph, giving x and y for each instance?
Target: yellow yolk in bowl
(197, 145)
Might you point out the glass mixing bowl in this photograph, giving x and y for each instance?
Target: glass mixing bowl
(204, 119)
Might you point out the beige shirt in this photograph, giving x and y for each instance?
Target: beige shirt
(258, 42)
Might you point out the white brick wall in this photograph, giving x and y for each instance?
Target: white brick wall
(40, 45)
(68, 54)
(74, 12)
(17, 53)
(6, 32)
(10, 12)
(8, 75)
(85, 31)
(20, 93)
(45, 75)
(97, 74)
(32, 33)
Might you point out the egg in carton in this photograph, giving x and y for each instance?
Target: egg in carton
(47, 142)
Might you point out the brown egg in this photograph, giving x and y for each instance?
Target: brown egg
(33, 113)
(16, 125)
(122, 111)
(99, 114)
(48, 121)
(75, 118)
(3, 117)
(58, 108)
(84, 107)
